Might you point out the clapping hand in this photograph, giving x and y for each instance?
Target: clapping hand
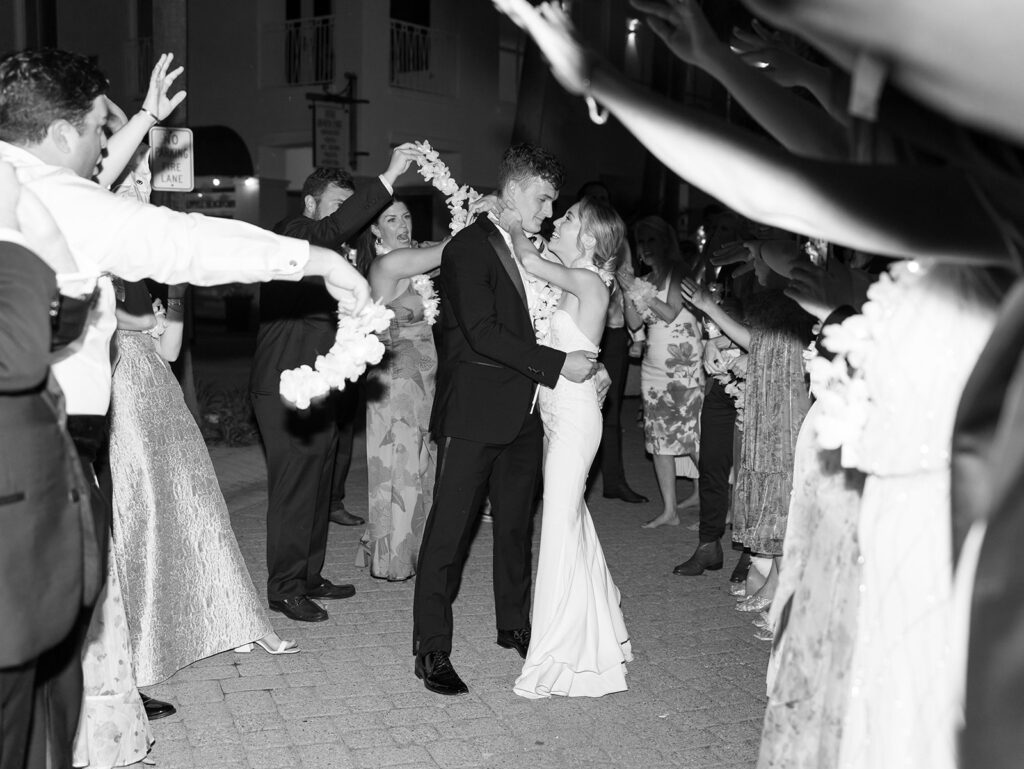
(696, 295)
(682, 25)
(157, 102)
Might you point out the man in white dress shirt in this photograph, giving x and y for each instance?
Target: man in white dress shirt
(53, 113)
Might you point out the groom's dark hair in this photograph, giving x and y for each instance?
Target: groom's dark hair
(525, 161)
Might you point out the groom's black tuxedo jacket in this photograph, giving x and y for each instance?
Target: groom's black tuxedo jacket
(488, 358)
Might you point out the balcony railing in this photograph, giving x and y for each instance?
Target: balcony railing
(298, 52)
(424, 59)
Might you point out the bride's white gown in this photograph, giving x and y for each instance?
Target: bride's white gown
(579, 642)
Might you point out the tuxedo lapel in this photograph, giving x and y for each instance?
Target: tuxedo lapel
(505, 258)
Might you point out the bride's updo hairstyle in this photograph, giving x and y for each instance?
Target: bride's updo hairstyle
(600, 221)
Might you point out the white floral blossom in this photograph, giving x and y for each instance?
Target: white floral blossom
(424, 286)
(356, 346)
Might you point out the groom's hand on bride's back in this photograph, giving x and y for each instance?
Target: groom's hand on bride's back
(579, 365)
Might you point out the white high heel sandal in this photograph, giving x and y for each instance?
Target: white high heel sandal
(282, 648)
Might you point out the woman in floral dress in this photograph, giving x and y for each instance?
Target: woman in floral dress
(672, 375)
(400, 454)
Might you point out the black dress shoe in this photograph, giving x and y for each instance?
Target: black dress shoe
(328, 590)
(157, 708)
(438, 675)
(343, 517)
(515, 639)
(626, 494)
(739, 574)
(299, 608)
(708, 556)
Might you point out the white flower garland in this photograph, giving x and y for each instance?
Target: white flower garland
(424, 286)
(433, 170)
(839, 384)
(640, 293)
(356, 346)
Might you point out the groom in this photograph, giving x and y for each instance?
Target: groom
(488, 433)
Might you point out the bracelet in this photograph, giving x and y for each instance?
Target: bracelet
(144, 111)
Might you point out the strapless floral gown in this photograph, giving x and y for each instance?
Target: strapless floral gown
(579, 641)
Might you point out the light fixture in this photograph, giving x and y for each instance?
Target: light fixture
(216, 182)
(632, 25)
(199, 194)
(251, 182)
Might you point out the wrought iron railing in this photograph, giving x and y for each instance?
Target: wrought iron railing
(424, 59)
(298, 52)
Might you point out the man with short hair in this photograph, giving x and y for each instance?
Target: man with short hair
(488, 433)
(298, 322)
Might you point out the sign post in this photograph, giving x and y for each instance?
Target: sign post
(330, 139)
(172, 159)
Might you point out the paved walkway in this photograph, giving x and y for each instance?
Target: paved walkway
(350, 698)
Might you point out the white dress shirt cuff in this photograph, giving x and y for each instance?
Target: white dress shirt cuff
(388, 187)
(11, 235)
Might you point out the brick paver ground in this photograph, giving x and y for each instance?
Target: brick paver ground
(696, 696)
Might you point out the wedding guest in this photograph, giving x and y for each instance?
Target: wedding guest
(52, 118)
(614, 356)
(297, 323)
(401, 455)
(45, 500)
(671, 377)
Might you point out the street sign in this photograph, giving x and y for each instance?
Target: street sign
(330, 136)
(171, 159)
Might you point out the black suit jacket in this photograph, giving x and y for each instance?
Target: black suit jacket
(489, 358)
(47, 550)
(298, 320)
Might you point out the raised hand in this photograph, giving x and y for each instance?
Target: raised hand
(552, 31)
(819, 290)
(767, 50)
(695, 295)
(157, 102)
(682, 25)
(402, 157)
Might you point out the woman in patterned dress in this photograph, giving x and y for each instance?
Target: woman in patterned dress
(672, 375)
(400, 454)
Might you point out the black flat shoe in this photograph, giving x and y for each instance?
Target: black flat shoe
(327, 590)
(156, 709)
(626, 494)
(739, 574)
(299, 608)
(707, 557)
(515, 639)
(436, 671)
(343, 517)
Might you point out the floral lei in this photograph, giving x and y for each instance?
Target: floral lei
(434, 170)
(356, 346)
(424, 286)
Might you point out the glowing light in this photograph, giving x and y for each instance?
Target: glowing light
(632, 25)
(913, 266)
(216, 182)
(199, 194)
(251, 182)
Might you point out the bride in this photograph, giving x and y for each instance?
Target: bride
(579, 641)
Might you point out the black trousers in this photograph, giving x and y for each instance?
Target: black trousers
(347, 406)
(301, 447)
(57, 695)
(717, 422)
(17, 686)
(615, 357)
(467, 471)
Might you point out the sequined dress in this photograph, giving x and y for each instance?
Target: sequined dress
(400, 454)
(187, 591)
(579, 644)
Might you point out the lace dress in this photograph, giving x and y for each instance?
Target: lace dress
(672, 385)
(187, 591)
(775, 403)
(400, 454)
(579, 644)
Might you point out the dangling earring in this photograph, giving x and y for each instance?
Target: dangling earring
(378, 246)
